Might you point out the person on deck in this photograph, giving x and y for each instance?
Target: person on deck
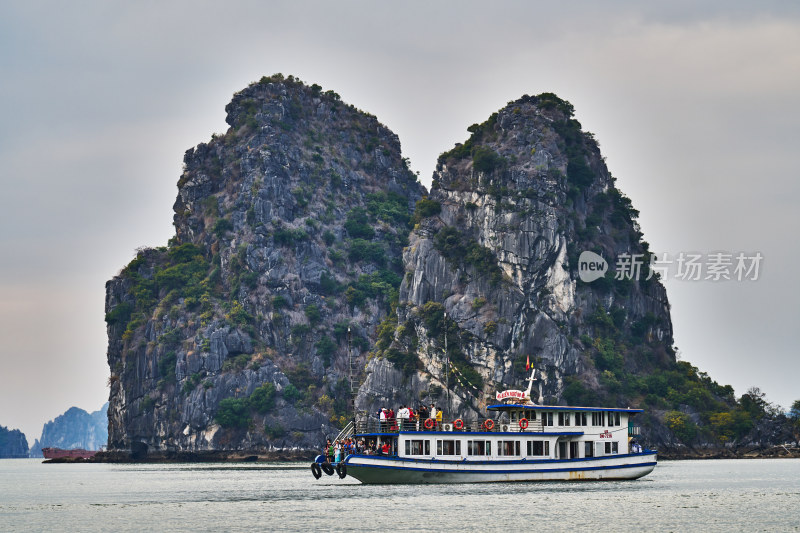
(382, 415)
(433, 415)
(337, 448)
(438, 419)
(422, 415)
(402, 416)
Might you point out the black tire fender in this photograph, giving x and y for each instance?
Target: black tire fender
(327, 468)
(341, 469)
(316, 471)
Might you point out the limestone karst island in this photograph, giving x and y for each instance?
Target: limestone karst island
(313, 279)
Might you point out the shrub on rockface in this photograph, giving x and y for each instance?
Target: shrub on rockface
(263, 398)
(460, 249)
(233, 413)
(426, 208)
(485, 159)
(357, 224)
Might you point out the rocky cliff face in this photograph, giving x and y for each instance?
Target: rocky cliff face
(289, 234)
(492, 266)
(307, 253)
(13, 443)
(74, 429)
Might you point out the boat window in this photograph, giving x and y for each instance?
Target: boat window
(563, 419)
(538, 447)
(547, 419)
(580, 419)
(508, 447)
(588, 450)
(479, 447)
(612, 448)
(448, 447)
(599, 419)
(418, 447)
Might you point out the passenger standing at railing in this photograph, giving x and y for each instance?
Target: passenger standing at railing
(438, 419)
(422, 415)
(326, 452)
(402, 416)
(382, 414)
(337, 448)
(391, 420)
(330, 451)
(433, 415)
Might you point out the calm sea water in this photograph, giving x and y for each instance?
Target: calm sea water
(718, 495)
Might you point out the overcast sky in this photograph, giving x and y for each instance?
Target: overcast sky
(696, 106)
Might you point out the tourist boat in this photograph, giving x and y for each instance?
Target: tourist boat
(523, 441)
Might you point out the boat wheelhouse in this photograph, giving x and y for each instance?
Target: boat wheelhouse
(518, 441)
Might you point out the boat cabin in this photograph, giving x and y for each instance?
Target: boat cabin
(518, 431)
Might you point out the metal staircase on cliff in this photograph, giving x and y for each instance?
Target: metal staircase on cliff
(353, 369)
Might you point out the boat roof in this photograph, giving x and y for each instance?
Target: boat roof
(509, 406)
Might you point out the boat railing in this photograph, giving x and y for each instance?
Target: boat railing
(374, 425)
(346, 432)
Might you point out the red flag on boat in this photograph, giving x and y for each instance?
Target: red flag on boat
(528, 364)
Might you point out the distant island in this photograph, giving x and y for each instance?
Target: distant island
(75, 428)
(13, 443)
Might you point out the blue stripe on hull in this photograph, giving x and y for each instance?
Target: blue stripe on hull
(520, 471)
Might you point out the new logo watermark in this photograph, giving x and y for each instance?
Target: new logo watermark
(591, 266)
(685, 266)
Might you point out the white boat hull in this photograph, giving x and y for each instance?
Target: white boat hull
(373, 469)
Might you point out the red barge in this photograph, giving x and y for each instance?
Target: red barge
(58, 453)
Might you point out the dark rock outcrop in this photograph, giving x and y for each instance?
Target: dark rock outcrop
(289, 231)
(492, 264)
(74, 429)
(13, 443)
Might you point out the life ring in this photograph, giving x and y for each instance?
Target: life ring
(341, 469)
(316, 471)
(523, 423)
(488, 425)
(458, 423)
(327, 468)
(429, 423)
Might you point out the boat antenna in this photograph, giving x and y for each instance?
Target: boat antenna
(530, 381)
(543, 378)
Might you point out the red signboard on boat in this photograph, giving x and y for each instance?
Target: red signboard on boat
(515, 394)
